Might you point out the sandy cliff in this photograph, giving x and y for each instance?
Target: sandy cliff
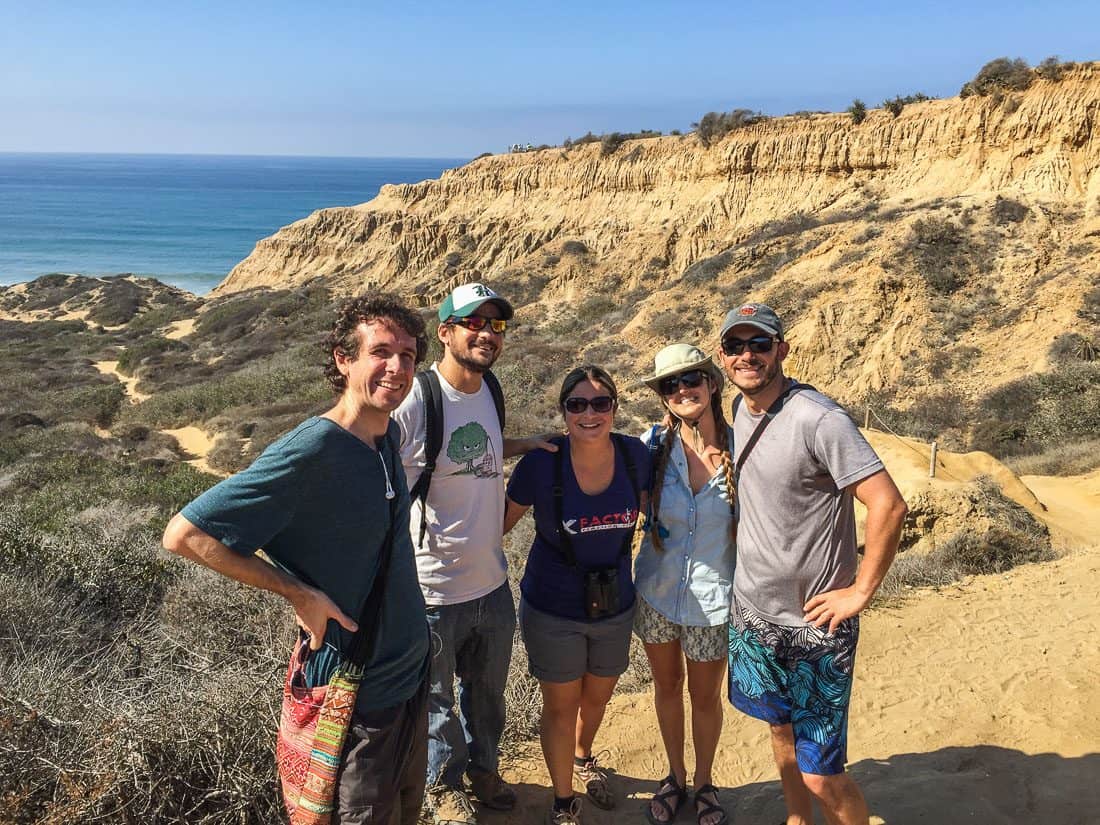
(815, 214)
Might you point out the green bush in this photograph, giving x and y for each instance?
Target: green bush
(1090, 305)
(858, 111)
(1053, 68)
(999, 76)
(939, 250)
(1072, 346)
(150, 347)
(895, 104)
(1041, 410)
(713, 126)
(610, 142)
(1006, 210)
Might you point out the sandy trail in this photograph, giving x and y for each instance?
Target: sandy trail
(974, 704)
(128, 382)
(194, 441)
(1073, 506)
(180, 329)
(197, 444)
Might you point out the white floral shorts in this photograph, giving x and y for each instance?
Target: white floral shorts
(700, 644)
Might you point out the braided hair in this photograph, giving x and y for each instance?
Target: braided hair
(721, 427)
(672, 426)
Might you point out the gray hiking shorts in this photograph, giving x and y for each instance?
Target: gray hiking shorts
(563, 650)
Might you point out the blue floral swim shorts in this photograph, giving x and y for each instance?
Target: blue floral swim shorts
(801, 676)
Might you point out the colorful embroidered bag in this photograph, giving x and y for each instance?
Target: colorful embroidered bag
(314, 721)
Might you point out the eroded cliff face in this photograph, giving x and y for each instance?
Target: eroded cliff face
(817, 215)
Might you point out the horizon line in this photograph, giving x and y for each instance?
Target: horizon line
(230, 155)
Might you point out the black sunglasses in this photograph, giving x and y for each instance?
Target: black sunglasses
(601, 404)
(476, 323)
(758, 344)
(690, 380)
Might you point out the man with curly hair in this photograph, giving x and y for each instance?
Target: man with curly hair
(798, 589)
(321, 502)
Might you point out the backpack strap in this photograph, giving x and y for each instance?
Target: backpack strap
(632, 473)
(793, 388)
(565, 543)
(498, 396)
(558, 492)
(433, 434)
(433, 442)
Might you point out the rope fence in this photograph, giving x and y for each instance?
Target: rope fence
(933, 463)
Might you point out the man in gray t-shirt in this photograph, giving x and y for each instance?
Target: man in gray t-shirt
(798, 588)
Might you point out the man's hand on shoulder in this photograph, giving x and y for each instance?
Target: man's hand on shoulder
(313, 609)
(522, 446)
(835, 606)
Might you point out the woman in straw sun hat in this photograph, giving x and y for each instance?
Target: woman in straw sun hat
(684, 572)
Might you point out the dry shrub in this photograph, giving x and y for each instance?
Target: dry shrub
(1015, 537)
(1069, 459)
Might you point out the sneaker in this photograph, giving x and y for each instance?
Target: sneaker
(570, 816)
(594, 777)
(450, 806)
(490, 790)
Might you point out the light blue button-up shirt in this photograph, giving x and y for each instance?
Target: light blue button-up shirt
(690, 582)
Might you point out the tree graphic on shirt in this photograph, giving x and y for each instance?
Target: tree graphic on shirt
(469, 445)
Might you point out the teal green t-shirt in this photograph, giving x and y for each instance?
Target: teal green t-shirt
(315, 502)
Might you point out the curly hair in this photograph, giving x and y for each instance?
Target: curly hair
(370, 306)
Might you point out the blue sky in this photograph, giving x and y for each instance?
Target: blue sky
(456, 79)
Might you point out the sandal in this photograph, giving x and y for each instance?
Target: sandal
(677, 793)
(709, 807)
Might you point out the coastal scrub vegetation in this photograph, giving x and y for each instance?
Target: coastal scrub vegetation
(1002, 75)
(896, 104)
(858, 111)
(713, 126)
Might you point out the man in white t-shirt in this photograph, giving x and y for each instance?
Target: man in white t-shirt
(460, 557)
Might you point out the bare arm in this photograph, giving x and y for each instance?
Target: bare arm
(522, 446)
(885, 514)
(512, 513)
(312, 608)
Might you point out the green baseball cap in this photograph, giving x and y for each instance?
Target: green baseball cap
(464, 299)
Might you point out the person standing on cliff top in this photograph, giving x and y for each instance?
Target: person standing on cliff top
(328, 504)
(799, 462)
(457, 535)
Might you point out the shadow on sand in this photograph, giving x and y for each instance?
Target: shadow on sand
(952, 786)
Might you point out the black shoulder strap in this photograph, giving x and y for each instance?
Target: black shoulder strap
(365, 639)
(558, 491)
(497, 393)
(433, 442)
(632, 474)
(792, 389)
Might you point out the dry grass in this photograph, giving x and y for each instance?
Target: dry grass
(1071, 459)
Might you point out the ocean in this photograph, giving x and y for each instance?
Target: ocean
(183, 219)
